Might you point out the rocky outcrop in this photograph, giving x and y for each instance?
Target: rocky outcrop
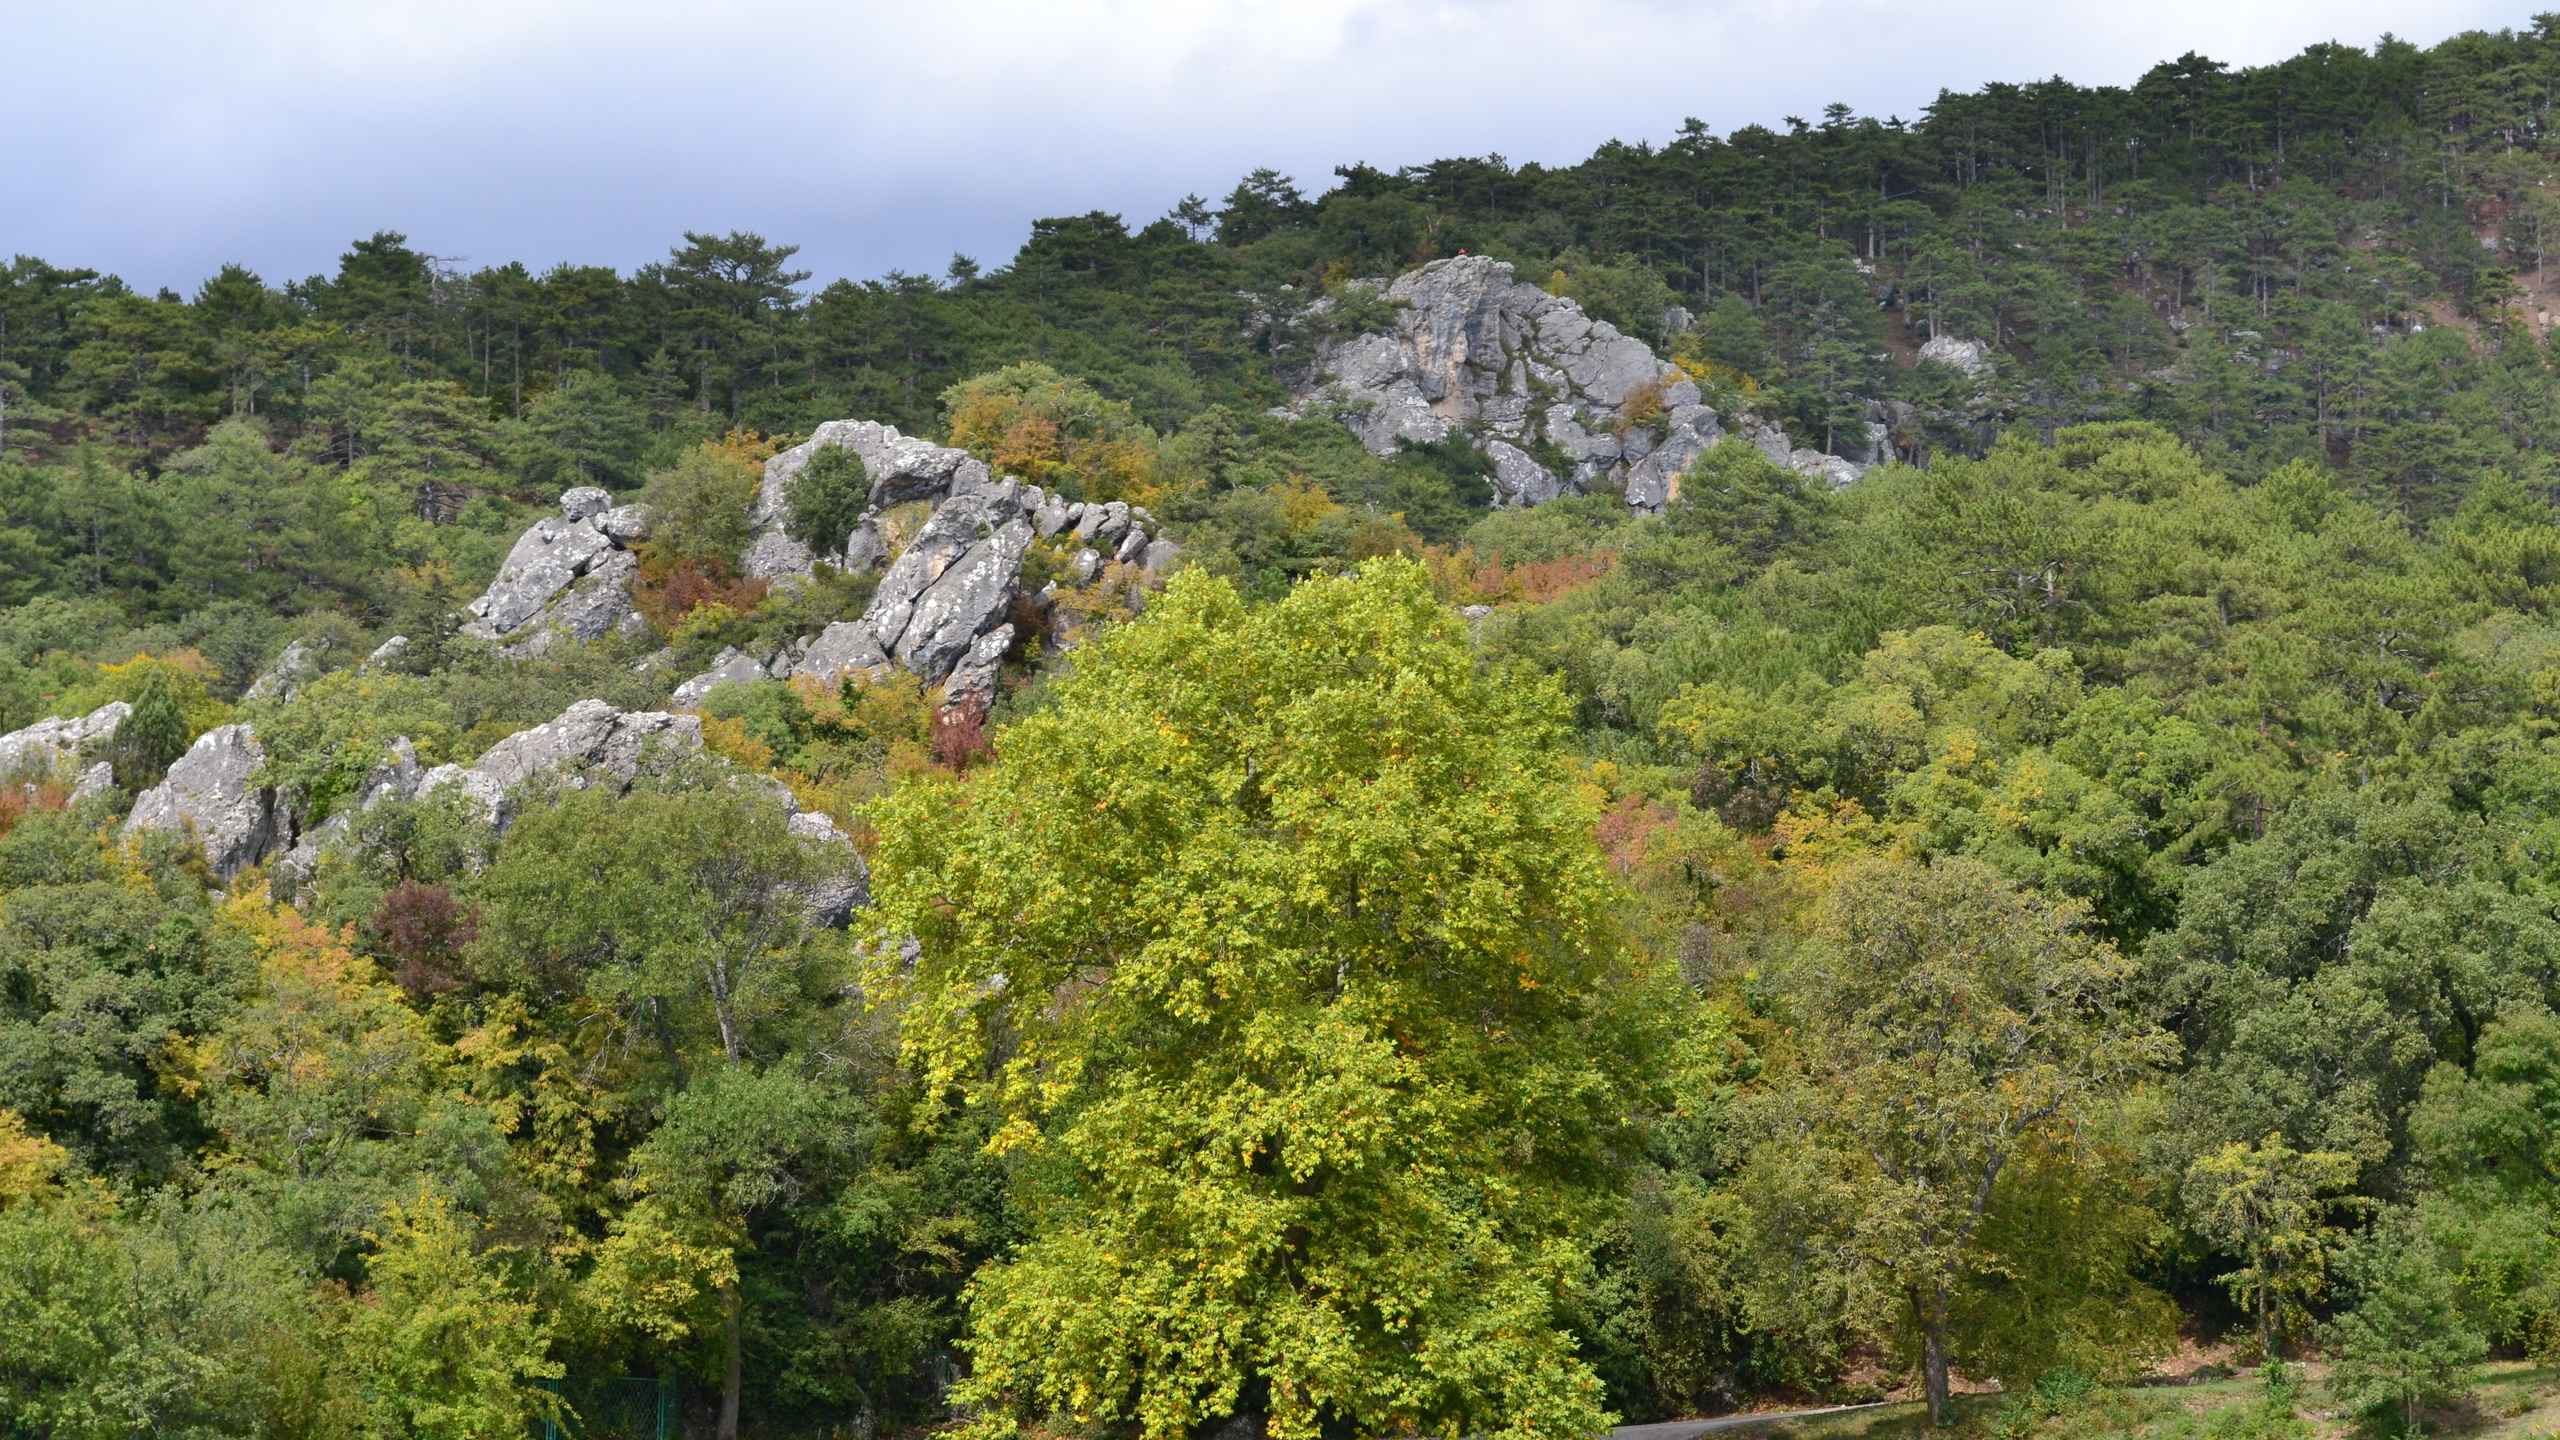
(590, 743)
(901, 467)
(568, 577)
(49, 749)
(212, 793)
(955, 583)
(1519, 372)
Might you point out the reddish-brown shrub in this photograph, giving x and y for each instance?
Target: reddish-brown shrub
(666, 592)
(959, 740)
(423, 930)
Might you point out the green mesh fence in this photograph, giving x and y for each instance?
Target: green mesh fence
(614, 1407)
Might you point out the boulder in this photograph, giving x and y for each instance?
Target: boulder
(47, 746)
(98, 779)
(591, 742)
(545, 561)
(1970, 356)
(567, 578)
(1518, 480)
(627, 525)
(840, 650)
(599, 604)
(965, 601)
(297, 666)
(387, 652)
(1159, 554)
(1654, 481)
(211, 793)
(733, 667)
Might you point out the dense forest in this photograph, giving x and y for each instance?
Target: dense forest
(2079, 903)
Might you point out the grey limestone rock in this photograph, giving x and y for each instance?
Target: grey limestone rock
(843, 885)
(1132, 545)
(591, 742)
(299, 664)
(41, 749)
(841, 649)
(386, 652)
(211, 792)
(733, 667)
(1654, 481)
(866, 548)
(567, 578)
(901, 468)
(1051, 517)
(971, 690)
(949, 534)
(627, 525)
(1518, 479)
(1159, 554)
(592, 608)
(97, 780)
(969, 597)
(546, 560)
(1970, 356)
(1477, 352)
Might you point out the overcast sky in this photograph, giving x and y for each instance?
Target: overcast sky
(158, 140)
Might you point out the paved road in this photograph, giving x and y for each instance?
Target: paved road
(1685, 1429)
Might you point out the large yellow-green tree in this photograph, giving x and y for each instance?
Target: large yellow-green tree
(1283, 950)
(1938, 1160)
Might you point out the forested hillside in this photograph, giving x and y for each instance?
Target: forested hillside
(2030, 863)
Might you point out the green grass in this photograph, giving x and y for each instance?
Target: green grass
(2516, 1401)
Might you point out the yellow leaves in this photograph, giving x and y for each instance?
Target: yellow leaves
(651, 1275)
(729, 738)
(1304, 504)
(324, 1049)
(31, 1165)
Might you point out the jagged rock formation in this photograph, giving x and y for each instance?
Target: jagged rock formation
(589, 743)
(49, 747)
(952, 588)
(568, 576)
(1523, 374)
(943, 595)
(211, 793)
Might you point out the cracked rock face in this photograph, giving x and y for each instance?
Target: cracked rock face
(47, 746)
(211, 794)
(1476, 352)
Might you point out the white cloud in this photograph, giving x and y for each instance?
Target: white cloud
(159, 139)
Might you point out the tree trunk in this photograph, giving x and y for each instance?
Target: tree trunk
(734, 1365)
(1931, 1312)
